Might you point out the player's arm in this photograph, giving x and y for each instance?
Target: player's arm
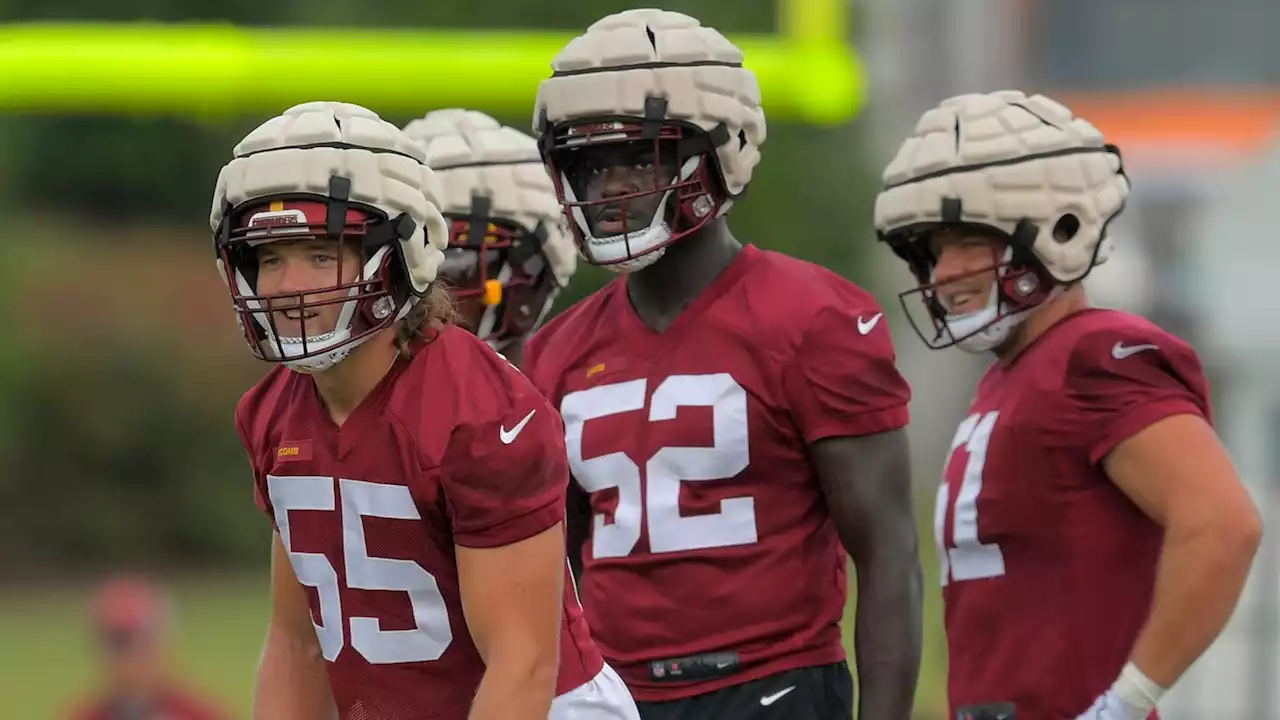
(1155, 443)
(1177, 472)
(292, 682)
(867, 485)
(850, 403)
(292, 679)
(513, 598)
(505, 489)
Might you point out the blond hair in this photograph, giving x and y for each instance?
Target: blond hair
(432, 313)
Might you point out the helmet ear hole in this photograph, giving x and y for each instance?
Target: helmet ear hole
(1066, 228)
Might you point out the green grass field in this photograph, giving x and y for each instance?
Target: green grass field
(45, 660)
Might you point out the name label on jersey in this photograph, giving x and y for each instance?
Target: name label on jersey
(294, 451)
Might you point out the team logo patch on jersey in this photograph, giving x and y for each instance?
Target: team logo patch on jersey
(598, 370)
(295, 451)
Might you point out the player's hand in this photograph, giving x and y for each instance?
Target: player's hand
(1109, 706)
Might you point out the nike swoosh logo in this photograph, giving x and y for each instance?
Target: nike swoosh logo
(768, 700)
(508, 436)
(866, 326)
(1120, 351)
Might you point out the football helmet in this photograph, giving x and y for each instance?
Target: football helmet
(332, 171)
(509, 252)
(1022, 168)
(657, 95)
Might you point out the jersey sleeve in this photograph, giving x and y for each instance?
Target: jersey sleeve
(844, 379)
(1119, 383)
(505, 479)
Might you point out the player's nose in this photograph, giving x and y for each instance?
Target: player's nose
(619, 181)
(295, 276)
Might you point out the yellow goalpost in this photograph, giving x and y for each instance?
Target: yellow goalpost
(808, 72)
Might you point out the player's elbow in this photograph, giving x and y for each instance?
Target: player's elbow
(521, 662)
(538, 668)
(1230, 546)
(286, 643)
(1242, 535)
(1228, 527)
(292, 679)
(885, 543)
(288, 659)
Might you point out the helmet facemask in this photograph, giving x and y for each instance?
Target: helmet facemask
(1014, 285)
(499, 274)
(355, 246)
(631, 188)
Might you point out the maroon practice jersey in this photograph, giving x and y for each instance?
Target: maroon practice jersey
(1048, 569)
(710, 530)
(453, 447)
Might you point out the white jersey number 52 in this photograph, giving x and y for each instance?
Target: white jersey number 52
(658, 506)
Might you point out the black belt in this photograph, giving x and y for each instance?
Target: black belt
(695, 667)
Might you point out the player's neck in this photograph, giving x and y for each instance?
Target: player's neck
(1070, 302)
(344, 386)
(661, 291)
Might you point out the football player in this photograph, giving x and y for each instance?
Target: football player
(734, 417)
(415, 479)
(509, 248)
(132, 625)
(1093, 534)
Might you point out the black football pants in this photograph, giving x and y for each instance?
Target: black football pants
(824, 692)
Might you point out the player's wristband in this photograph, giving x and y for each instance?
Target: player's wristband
(1136, 689)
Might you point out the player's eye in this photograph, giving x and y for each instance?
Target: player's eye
(639, 157)
(595, 165)
(268, 260)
